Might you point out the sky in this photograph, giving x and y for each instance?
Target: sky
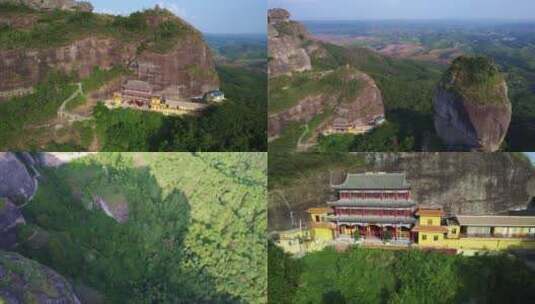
(209, 16)
(531, 156)
(407, 9)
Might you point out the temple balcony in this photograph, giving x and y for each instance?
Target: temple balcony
(372, 203)
(375, 219)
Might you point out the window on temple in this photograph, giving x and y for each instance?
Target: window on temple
(454, 230)
(424, 237)
(435, 238)
(317, 218)
(429, 222)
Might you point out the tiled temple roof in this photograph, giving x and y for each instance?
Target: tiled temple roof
(372, 203)
(363, 181)
(496, 220)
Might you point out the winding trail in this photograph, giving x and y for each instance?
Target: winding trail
(63, 114)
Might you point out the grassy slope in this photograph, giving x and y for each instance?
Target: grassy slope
(58, 28)
(177, 243)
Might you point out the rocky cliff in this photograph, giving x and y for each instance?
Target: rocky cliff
(82, 6)
(310, 89)
(16, 182)
(25, 281)
(464, 183)
(286, 49)
(155, 45)
(10, 218)
(471, 108)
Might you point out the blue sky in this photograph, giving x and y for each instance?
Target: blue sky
(407, 9)
(531, 155)
(209, 16)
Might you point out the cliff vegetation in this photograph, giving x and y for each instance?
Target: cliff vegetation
(175, 245)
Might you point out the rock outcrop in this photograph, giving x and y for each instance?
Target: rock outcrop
(342, 93)
(119, 212)
(10, 218)
(70, 5)
(188, 65)
(471, 108)
(287, 52)
(16, 182)
(25, 281)
(464, 183)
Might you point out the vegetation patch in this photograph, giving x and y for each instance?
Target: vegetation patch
(476, 79)
(385, 276)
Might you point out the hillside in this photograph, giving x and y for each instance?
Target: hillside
(138, 228)
(468, 183)
(308, 98)
(58, 65)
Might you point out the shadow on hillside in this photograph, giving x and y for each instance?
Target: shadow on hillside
(418, 125)
(139, 261)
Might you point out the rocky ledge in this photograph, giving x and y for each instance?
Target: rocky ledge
(471, 108)
(25, 281)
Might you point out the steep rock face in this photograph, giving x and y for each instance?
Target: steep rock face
(25, 281)
(471, 108)
(286, 49)
(464, 183)
(10, 217)
(188, 66)
(357, 107)
(304, 111)
(365, 106)
(16, 183)
(26, 68)
(118, 212)
(82, 6)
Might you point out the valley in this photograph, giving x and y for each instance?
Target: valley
(134, 227)
(406, 59)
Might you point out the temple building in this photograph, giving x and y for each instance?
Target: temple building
(377, 209)
(137, 92)
(473, 232)
(373, 206)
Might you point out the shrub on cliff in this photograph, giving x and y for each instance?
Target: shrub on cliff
(476, 79)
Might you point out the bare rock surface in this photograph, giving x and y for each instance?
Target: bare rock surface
(286, 49)
(16, 183)
(188, 65)
(10, 217)
(471, 108)
(25, 281)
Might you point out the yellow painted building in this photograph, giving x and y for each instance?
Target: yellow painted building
(485, 233)
(320, 228)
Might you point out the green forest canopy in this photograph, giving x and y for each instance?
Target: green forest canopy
(361, 275)
(176, 245)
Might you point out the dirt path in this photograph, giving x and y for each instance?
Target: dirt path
(63, 114)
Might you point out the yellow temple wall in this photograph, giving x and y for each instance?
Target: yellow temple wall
(427, 239)
(322, 234)
(430, 220)
(474, 243)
